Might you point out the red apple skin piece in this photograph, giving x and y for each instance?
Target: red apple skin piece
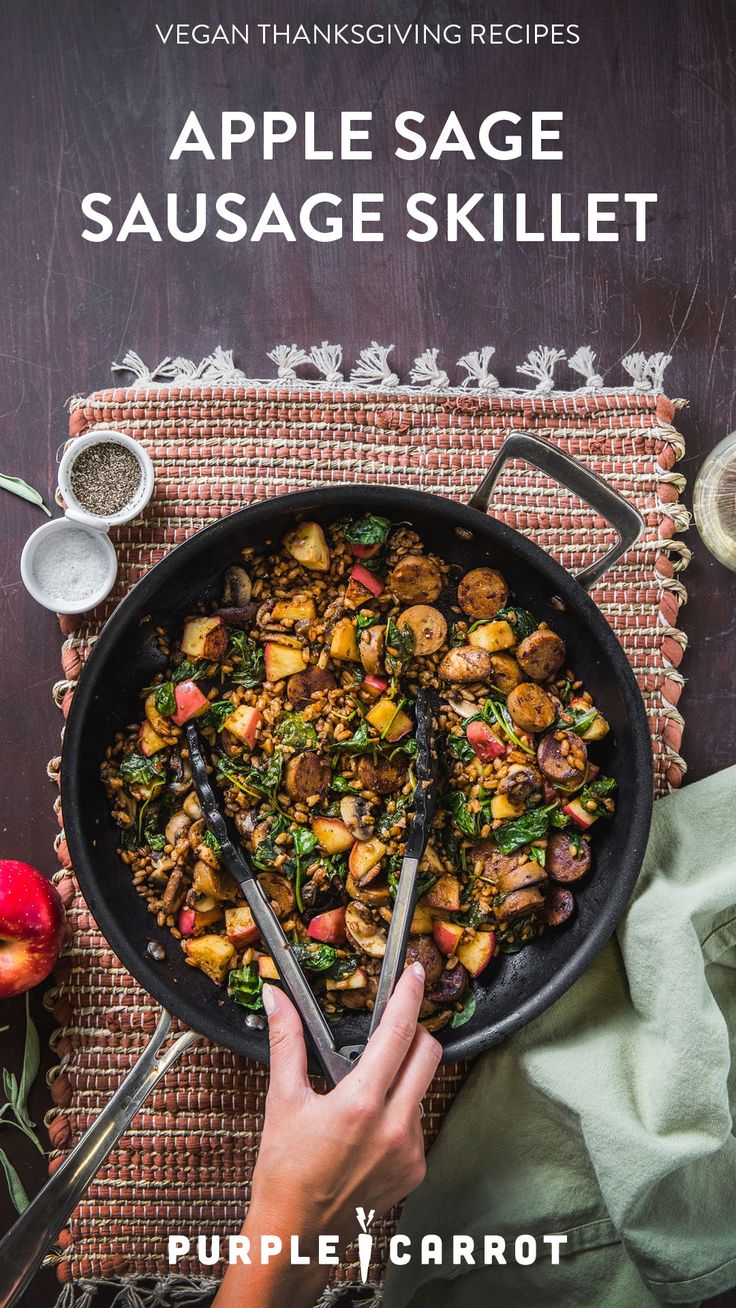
(367, 579)
(248, 724)
(359, 551)
(328, 928)
(376, 685)
(579, 816)
(332, 835)
(483, 742)
(190, 702)
(31, 927)
(186, 921)
(447, 936)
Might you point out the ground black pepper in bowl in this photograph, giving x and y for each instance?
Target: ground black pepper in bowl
(105, 478)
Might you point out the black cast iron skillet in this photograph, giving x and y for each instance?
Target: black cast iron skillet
(517, 988)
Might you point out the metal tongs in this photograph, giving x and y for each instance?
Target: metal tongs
(335, 1063)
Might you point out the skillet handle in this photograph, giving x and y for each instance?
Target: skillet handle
(622, 516)
(28, 1241)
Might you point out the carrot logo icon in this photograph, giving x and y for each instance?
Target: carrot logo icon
(365, 1241)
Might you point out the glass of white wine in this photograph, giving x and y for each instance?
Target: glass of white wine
(714, 501)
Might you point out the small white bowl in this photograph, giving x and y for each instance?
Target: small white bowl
(75, 510)
(43, 536)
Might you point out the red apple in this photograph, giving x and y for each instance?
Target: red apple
(329, 927)
(363, 551)
(447, 935)
(580, 816)
(376, 685)
(31, 927)
(367, 579)
(476, 953)
(186, 921)
(190, 702)
(483, 742)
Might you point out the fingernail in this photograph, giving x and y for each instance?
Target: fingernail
(269, 1000)
(418, 971)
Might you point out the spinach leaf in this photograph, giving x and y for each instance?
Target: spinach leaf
(247, 656)
(474, 916)
(164, 698)
(399, 646)
(315, 958)
(305, 842)
(153, 838)
(559, 819)
(370, 530)
(424, 883)
(212, 842)
(538, 854)
(519, 831)
(267, 850)
(138, 770)
(460, 747)
(190, 671)
(465, 821)
(294, 731)
(522, 621)
(366, 620)
(387, 820)
(341, 786)
(246, 987)
(343, 967)
(217, 714)
(359, 743)
(467, 1011)
(251, 780)
(577, 720)
(494, 710)
(595, 792)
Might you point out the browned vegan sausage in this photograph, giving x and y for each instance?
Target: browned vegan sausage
(466, 663)
(422, 949)
(520, 903)
(482, 592)
(568, 857)
(505, 672)
(526, 874)
(451, 986)
(559, 906)
(301, 687)
(541, 654)
(306, 774)
(531, 707)
(383, 775)
(427, 626)
(563, 757)
(415, 580)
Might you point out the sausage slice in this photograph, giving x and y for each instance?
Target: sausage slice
(531, 707)
(559, 906)
(422, 949)
(520, 903)
(541, 655)
(301, 687)
(415, 580)
(563, 757)
(427, 626)
(568, 857)
(505, 672)
(383, 775)
(482, 592)
(527, 874)
(466, 663)
(306, 774)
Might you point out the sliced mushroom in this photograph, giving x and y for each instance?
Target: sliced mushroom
(279, 891)
(242, 618)
(436, 1021)
(365, 929)
(237, 590)
(375, 896)
(197, 833)
(192, 807)
(519, 782)
(174, 893)
(362, 998)
(356, 814)
(182, 778)
(177, 824)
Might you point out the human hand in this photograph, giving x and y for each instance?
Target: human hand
(323, 1155)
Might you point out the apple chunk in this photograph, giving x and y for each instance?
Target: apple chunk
(190, 702)
(149, 741)
(389, 720)
(332, 835)
(444, 894)
(245, 724)
(447, 935)
(240, 927)
(493, 636)
(476, 953)
(329, 927)
(282, 660)
(211, 954)
(307, 544)
(204, 638)
(267, 969)
(365, 857)
(297, 609)
(344, 643)
(580, 816)
(357, 980)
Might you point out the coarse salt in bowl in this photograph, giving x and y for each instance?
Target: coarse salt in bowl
(140, 494)
(68, 567)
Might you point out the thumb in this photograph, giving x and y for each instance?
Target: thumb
(286, 1043)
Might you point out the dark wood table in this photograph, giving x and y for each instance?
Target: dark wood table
(93, 101)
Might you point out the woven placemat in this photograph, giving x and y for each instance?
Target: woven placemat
(218, 442)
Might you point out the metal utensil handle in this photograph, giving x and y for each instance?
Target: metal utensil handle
(398, 936)
(622, 516)
(27, 1242)
(334, 1064)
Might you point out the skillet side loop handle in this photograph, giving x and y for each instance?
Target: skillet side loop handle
(28, 1241)
(622, 516)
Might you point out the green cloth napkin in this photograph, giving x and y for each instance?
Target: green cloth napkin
(609, 1118)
